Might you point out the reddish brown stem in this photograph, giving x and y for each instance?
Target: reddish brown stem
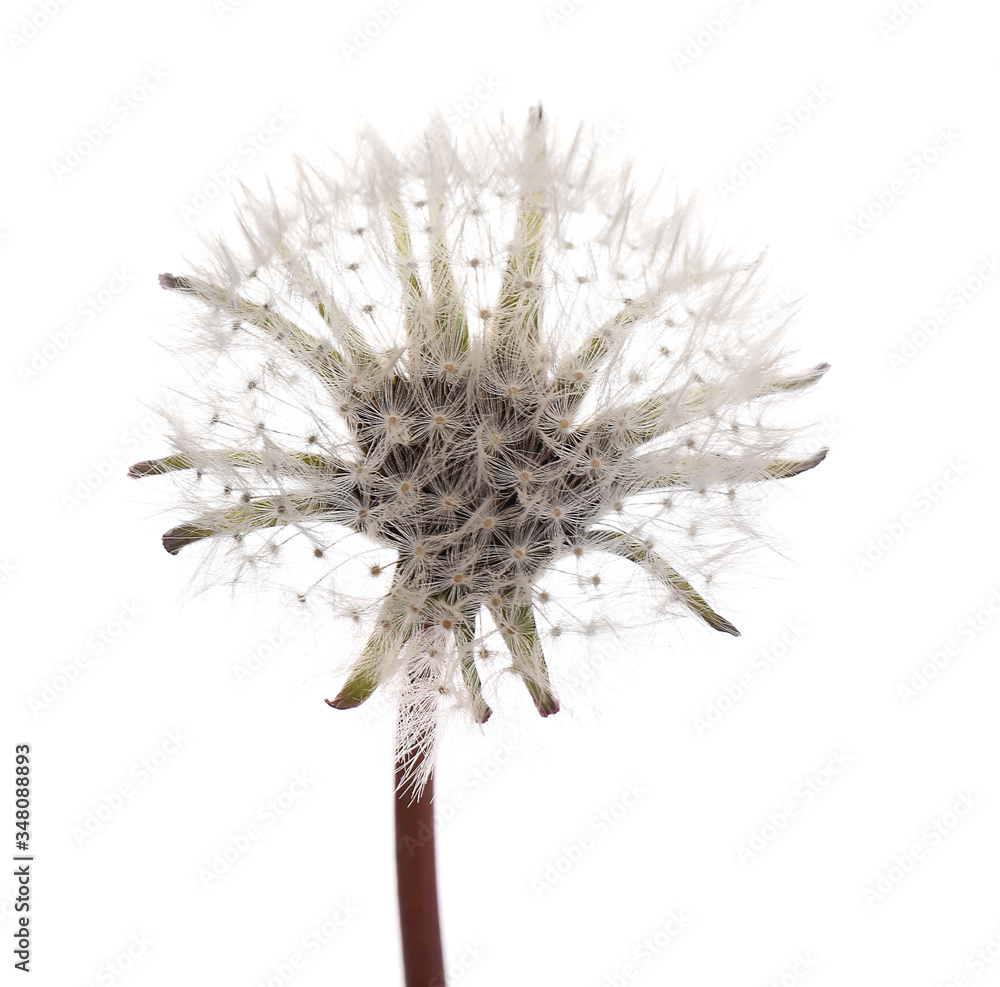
(416, 878)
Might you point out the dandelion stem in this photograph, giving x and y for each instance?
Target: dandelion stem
(416, 869)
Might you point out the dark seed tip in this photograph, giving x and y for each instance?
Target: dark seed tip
(176, 538)
(172, 283)
(343, 702)
(172, 544)
(721, 624)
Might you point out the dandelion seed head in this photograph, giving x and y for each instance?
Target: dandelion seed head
(475, 366)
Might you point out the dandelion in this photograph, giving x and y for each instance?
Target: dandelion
(464, 376)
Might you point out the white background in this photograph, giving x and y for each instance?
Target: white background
(913, 464)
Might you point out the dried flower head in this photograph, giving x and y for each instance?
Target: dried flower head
(446, 376)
